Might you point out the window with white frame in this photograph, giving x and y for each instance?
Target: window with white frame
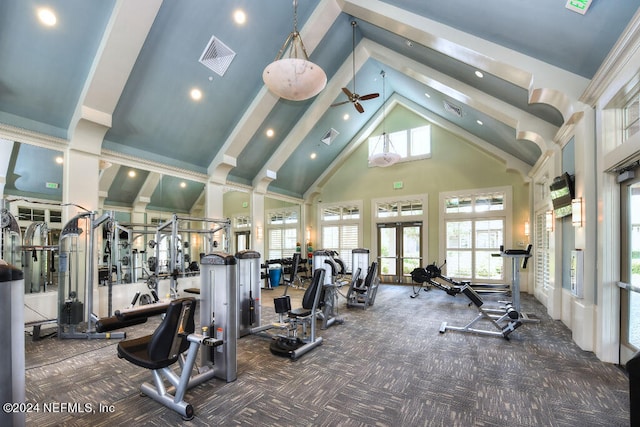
(341, 229)
(282, 233)
(410, 144)
(242, 222)
(631, 117)
(475, 228)
(398, 208)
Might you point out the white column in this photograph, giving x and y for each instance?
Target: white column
(258, 232)
(214, 208)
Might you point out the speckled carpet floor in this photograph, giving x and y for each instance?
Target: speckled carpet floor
(385, 366)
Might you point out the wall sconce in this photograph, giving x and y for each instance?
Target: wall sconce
(548, 220)
(308, 234)
(576, 212)
(527, 229)
(259, 234)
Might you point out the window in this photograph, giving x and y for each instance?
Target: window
(55, 216)
(282, 233)
(399, 208)
(411, 144)
(242, 221)
(340, 227)
(29, 214)
(475, 228)
(541, 251)
(631, 116)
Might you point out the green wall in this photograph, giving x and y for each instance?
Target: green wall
(455, 164)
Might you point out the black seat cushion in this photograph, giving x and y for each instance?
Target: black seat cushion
(154, 351)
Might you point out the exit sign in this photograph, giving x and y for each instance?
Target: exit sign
(579, 6)
(51, 185)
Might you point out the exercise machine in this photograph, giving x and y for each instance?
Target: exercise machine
(362, 293)
(249, 293)
(292, 344)
(10, 236)
(37, 258)
(333, 266)
(217, 236)
(76, 272)
(176, 340)
(505, 319)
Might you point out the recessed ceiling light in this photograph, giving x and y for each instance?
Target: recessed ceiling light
(479, 122)
(346, 116)
(239, 16)
(132, 173)
(479, 74)
(196, 94)
(427, 95)
(183, 184)
(47, 17)
(59, 160)
(270, 133)
(313, 155)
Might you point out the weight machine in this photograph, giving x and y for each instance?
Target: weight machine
(221, 229)
(10, 236)
(328, 261)
(176, 340)
(38, 258)
(76, 275)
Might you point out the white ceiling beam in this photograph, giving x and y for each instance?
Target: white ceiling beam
(312, 33)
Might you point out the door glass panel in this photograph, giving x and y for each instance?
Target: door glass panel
(410, 249)
(388, 253)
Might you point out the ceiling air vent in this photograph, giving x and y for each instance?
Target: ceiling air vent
(453, 109)
(330, 136)
(217, 56)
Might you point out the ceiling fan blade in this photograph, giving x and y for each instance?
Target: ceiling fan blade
(347, 92)
(340, 103)
(369, 96)
(358, 107)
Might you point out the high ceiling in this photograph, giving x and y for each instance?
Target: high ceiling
(129, 67)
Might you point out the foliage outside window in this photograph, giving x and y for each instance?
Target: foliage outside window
(475, 227)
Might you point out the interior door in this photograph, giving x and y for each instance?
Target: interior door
(399, 250)
(242, 240)
(629, 269)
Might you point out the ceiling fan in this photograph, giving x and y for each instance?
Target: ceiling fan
(353, 96)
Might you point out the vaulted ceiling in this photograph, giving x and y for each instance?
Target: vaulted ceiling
(130, 66)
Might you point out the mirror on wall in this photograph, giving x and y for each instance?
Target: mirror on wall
(237, 208)
(32, 191)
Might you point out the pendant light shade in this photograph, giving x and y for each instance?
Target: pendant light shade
(294, 78)
(388, 156)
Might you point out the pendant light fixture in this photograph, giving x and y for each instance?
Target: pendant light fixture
(294, 78)
(388, 156)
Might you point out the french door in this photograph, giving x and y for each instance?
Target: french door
(399, 250)
(629, 269)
